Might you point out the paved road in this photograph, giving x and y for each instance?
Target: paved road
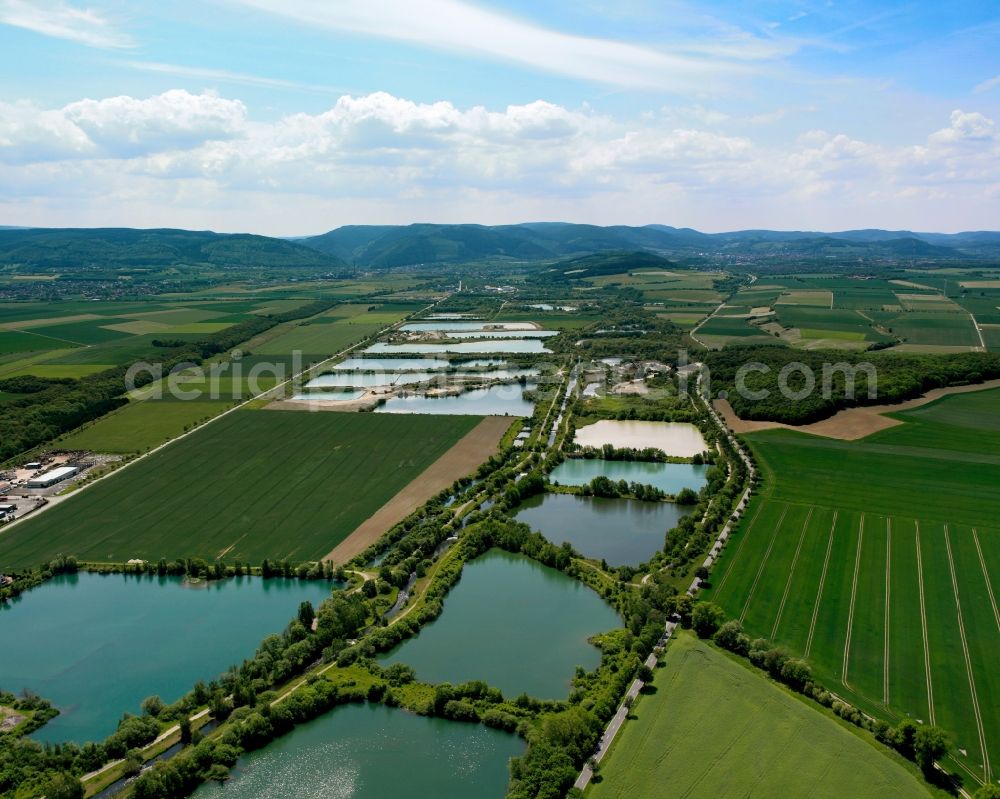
(608, 737)
(562, 408)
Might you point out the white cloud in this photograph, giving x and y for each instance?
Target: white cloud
(380, 158)
(458, 26)
(987, 85)
(174, 119)
(116, 127)
(225, 76)
(64, 21)
(29, 134)
(966, 127)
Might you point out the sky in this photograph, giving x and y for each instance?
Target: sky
(293, 117)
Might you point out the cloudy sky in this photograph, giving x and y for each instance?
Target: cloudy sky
(296, 116)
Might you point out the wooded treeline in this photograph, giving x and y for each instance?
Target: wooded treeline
(894, 376)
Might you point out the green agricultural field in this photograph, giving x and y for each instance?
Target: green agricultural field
(91, 336)
(991, 335)
(828, 323)
(876, 560)
(938, 329)
(160, 411)
(56, 369)
(681, 295)
(326, 338)
(868, 298)
(252, 485)
(85, 333)
(984, 305)
(28, 341)
(735, 326)
(682, 320)
(821, 299)
(716, 728)
(142, 425)
(331, 334)
(835, 335)
(757, 297)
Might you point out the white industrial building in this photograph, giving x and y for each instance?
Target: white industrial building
(52, 477)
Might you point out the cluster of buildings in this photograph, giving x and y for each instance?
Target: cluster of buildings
(52, 476)
(32, 476)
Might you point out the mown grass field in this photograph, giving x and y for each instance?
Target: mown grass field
(252, 485)
(714, 728)
(877, 560)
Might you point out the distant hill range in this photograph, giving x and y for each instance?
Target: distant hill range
(71, 249)
(389, 246)
(393, 246)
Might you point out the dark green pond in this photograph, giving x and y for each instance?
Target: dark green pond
(624, 532)
(96, 646)
(668, 477)
(374, 752)
(520, 626)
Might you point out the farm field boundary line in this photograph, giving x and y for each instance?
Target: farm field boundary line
(460, 460)
(791, 574)
(852, 423)
(739, 547)
(888, 608)
(986, 576)
(763, 564)
(968, 660)
(822, 584)
(53, 501)
(854, 597)
(920, 590)
(923, 626)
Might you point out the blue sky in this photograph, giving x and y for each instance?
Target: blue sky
(301, 115)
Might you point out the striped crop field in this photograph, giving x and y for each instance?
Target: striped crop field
(879, 562)
(284, 485)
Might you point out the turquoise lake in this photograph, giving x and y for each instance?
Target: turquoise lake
(97, 645)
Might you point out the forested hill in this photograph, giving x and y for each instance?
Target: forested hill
(380, 246)
(610, 263)
(387, 247)
(82, 249)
